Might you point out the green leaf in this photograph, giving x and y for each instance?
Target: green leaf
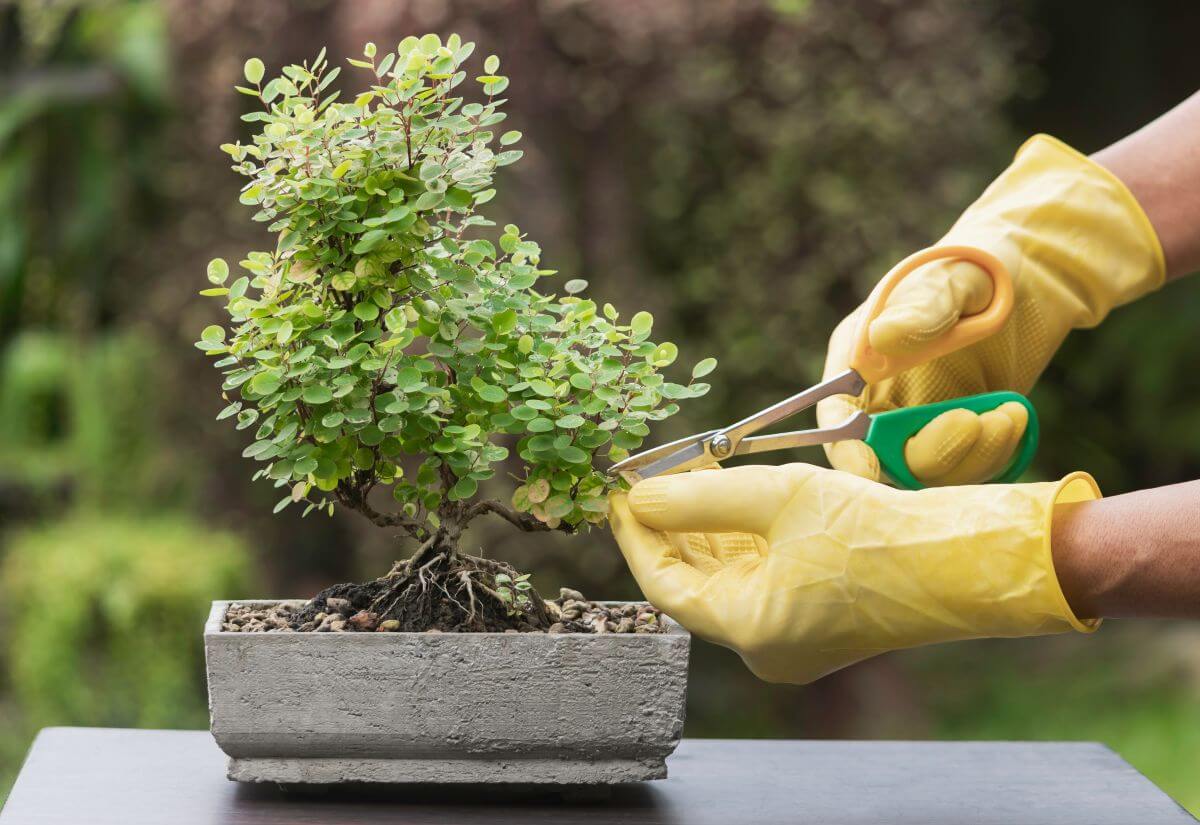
(557, 506)
(366, 311)
(369, 241)
(572, 454)
(463, 488)
(641, 323)
(212, 333)
(504, 322)
(218, 271)
(427, 201)
(509, 138)
(254, 70)
(525, 344)
(626, 441)
(344, 281)
(665, 354)
(580, 381)
(488, 392)
(540, 425)
(316, 395)
(394, 215)
(704, 367)
(575, 285)
(491, 64)
(570, 422)
(265, 383)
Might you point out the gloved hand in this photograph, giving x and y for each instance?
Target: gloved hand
(804, 570)
(1076, 243)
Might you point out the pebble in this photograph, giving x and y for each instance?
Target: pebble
(364, 621)
(570, 613)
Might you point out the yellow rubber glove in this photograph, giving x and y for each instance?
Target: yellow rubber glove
(1076, 243)
(804, 570)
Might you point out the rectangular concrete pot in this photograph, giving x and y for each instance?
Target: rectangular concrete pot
(445, 707)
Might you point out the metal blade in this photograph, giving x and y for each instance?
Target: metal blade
(694, 455)
(854, 427)
(645, 457)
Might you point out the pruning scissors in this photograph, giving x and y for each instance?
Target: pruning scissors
(886, 432)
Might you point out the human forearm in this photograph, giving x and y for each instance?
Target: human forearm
(1160, 164)
(1136, 554)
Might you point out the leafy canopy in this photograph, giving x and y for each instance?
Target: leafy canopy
(394, 337)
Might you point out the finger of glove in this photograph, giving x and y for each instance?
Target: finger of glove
(927, 304)
(850, 456)
(698, 550)
(1000, 431)
(941, 445)
(669, 582)
(738, 500)
(731, 548)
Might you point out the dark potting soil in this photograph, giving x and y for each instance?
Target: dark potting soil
(435, 595)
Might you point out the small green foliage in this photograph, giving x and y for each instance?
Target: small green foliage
(514, 592)
(392, 336)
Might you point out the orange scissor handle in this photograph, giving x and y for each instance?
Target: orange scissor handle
(874, 366)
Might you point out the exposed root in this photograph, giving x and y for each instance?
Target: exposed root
(440, 588)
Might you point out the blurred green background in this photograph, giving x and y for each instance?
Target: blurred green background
(745, 170)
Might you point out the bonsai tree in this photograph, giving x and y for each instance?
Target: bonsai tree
(395, 340)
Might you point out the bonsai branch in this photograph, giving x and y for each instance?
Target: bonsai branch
(524, 521)
(356, 499)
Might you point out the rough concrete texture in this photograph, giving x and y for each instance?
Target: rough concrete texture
(445, 707)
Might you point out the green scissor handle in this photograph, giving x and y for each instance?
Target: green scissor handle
(889, 431)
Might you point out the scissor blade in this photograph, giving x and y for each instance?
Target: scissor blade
(854, 427)
(694, 455)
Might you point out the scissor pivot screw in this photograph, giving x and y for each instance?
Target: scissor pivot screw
(721, 446)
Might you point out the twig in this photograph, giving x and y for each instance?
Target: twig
(524, 521)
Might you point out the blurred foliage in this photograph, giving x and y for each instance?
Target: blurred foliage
(83, 419)
(743, 169)
(103, 616)
(83, 87)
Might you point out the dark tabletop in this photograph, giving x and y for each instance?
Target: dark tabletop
(100, 776)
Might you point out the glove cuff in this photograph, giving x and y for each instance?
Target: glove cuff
(1012, 588)
(1145, 270)
(1078, 486)
(1078, 227)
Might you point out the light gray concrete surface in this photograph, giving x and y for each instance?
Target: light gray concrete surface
(445, 707)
